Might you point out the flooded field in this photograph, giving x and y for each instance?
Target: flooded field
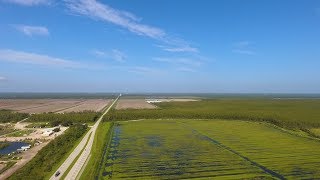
(169, 149)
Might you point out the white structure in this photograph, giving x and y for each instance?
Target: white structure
(48, 132)
(25, 148)
(153, 101)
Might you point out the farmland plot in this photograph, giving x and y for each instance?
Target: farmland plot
(287, 154)
(89, 105)
(166, 149)
(225, 149)
(20, 104)
(54, 106)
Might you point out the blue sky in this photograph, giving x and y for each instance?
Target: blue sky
(228, 46)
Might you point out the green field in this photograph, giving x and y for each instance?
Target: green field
(224, 149)
(20, 133)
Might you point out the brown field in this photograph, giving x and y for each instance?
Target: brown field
(89, 105)
(53, 105)
(21, 104)
(134, 104)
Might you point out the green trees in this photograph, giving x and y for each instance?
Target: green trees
(47, 158)
(283, 113)
(65, 119)
(10, 116)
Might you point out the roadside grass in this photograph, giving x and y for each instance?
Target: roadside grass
(294, 114)
(75, 160)
(55, 168)
(100, 142)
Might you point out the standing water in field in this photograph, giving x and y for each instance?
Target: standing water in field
(174, 149)
(13, 146)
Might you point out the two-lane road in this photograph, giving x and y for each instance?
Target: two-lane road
(75, 170)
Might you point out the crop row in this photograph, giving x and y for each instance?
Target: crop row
(169, 150)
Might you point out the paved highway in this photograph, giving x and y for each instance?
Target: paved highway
(75, 170)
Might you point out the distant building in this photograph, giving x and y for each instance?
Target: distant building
(48, 132)
(153, 101)
(24, 148)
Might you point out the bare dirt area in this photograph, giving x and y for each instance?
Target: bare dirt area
(36, 134)
(134, 104)
(89, 105)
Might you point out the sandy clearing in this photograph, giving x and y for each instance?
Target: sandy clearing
(37, 134)
(134, 104)
(89, 105)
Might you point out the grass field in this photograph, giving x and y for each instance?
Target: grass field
(20, 133)
(101, 139)
(224, 149)
(282, 112)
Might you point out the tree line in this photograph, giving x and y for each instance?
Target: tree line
(287, 114)
(10, 116)
(65, 119)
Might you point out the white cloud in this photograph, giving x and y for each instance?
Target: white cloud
(140, 70)
(243, 47)
(180, 61)
(114, 54)
(184, 48)
(143, 70)
(32, 30)
(29, 2)
(186, 69)
(240, 51)
(2, 78)
(36, 59)
(127, 20)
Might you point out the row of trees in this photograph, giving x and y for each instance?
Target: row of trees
(65, 119)
(10, 116)
(44, 163)
(288, 114)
